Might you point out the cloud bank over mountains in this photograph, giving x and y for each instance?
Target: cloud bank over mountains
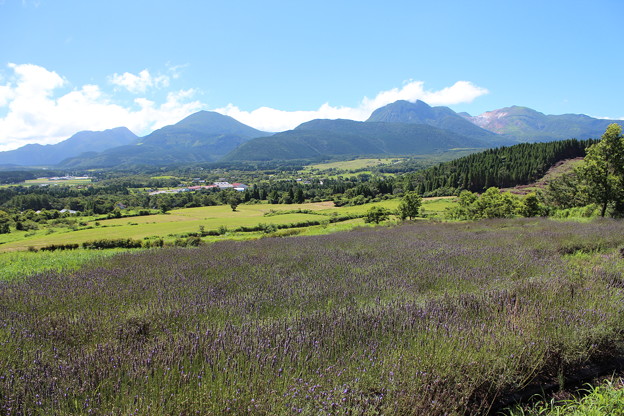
(271, 119)
(40, 106)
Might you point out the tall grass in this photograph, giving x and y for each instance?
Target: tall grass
(606, 399)
(19, 265)
(435, 319)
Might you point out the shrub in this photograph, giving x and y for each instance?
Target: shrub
(377, 214)
(112, 243)
(54, 247)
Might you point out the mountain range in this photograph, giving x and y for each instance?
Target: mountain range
(399, 128)
(528, 125)
(324, 138)
(52, 154)
(204, 136)
(440, 117)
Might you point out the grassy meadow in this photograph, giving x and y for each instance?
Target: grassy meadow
(412, 319)
(189, 220)
(68, 182)
(351, 165)
(18, 265)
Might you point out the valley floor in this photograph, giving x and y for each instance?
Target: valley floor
(180, 223)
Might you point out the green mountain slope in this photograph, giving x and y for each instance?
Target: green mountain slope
(51, 154)
(323, 138)
(527, 124)
(200, 137)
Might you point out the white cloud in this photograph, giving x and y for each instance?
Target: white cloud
(600, 117)
(6, 94)
(38, 113)
(38, 106)
(175, 70)
(137, 84)
(270, 119)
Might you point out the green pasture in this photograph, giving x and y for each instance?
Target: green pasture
(19, 264)
(57, 182)
(351, 164)
(431, 207)
(163, 177)
(179, 222)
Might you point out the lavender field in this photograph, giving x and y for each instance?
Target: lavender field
(427, 318)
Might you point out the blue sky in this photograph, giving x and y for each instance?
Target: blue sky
(71, 65)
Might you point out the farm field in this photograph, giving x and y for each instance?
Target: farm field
(349, 168)
(58, 182)
(189, 220)
(355, 164)
(423, 318)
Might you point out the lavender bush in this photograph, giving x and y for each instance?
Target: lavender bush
(426, 318)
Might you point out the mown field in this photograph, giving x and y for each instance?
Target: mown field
(189, 220)
(58, 182)
(351, 165)
(417, 319)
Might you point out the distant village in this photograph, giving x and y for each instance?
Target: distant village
(64, 178)
(215, 185)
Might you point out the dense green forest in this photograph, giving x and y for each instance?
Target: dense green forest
(502, 167)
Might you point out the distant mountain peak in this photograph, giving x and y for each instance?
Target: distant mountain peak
(527, 124)
(200, 137)
(419, 112)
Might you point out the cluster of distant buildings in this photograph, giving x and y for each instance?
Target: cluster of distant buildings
(240, 187)
(64, 178)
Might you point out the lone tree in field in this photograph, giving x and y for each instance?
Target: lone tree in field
(233, 201)
(602, 171)
(409, 207)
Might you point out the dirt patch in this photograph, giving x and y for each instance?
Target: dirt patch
(557, 170)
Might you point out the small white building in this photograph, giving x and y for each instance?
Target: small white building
(224, 185)
(240, 187)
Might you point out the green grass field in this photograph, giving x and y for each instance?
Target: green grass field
(189, 220)
(58, 182)
(351, 164)
(20, 264)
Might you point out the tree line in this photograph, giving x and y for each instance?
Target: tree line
(599, 181)
(503, 167)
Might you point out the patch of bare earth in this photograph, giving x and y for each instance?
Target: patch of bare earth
(557, 170)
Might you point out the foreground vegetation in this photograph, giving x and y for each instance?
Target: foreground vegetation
(606, 399)
(415, 319)
(19, 265)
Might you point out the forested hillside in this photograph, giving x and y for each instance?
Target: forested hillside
(502, 167)
(340, 138)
